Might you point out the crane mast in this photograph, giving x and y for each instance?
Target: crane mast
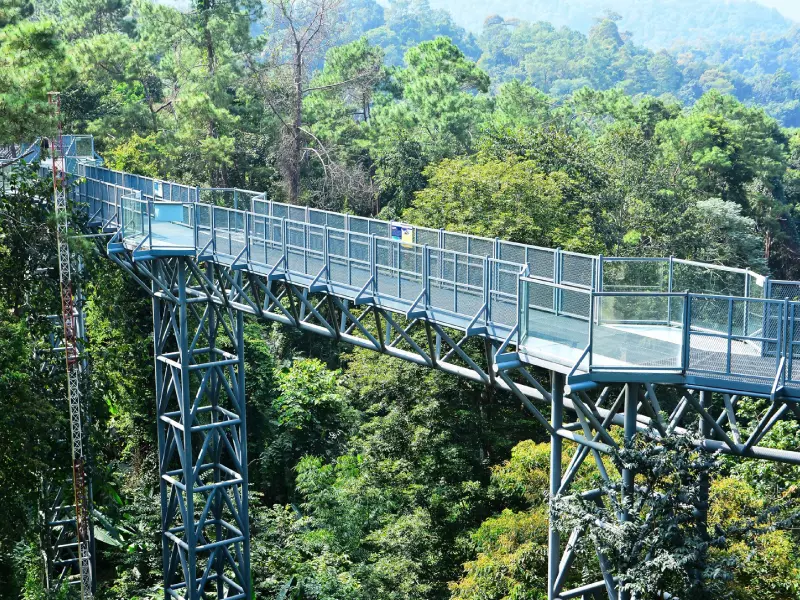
(71, 352)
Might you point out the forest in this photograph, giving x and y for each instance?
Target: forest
(372, 478)
(659, 24)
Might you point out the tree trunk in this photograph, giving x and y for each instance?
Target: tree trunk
(296, 141)
(218, 177)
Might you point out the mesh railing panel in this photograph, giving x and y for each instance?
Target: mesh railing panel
(574, 303)
(541, 262)
(426, 237)
(378, 228)
(456, 282)
(359, 225)
(336, 221)
(503, 292)
(577, 269)
(399, 269)
(481, 247)
(456, 242)
(785, 290)
(541, 296)
(720, 342)
(793, 344)
(511, 252)
(349, 256)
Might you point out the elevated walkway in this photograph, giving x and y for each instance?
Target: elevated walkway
(594, 318)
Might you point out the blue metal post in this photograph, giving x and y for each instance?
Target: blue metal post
(687, 331)
(557, 279)
(746, 302)
(669, 289)
(598, 285)
(791, 325)
(705, 433)
(728, 358)
(631, 410)
(426, 274)
(486, 289)
(556, 449)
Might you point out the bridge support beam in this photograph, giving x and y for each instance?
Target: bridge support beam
(220, 294)
(202, 438)
(556, 448)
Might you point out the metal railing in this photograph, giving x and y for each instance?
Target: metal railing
(624, 313)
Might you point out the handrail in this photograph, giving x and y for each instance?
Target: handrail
(552, 284)
(495, 248)
(465, 273)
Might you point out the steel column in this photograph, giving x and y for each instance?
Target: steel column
(630, 426)
(705, 433)
(556, 450)
(202, 439)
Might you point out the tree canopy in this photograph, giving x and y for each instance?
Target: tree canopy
(373, 478)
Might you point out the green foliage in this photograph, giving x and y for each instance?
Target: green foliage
(373, 478)
(657, 545)
(32, 62)
(512, 198)
(437, 104)
(27, 415)
(409, 22)
(512, 559)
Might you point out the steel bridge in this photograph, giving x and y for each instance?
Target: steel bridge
(655, 345)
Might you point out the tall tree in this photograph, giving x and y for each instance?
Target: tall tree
(303, 31)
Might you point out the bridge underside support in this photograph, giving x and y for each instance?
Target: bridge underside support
(202, 445)
(192, 304)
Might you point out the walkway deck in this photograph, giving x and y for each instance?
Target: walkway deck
(745, 344)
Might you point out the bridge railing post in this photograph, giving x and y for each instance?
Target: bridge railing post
(285, 243)
(373, 262)
(557, 279)
(426, 274)
(325, 256)
(213, 222)
(487, 282)
(247, 217)
(686, 319)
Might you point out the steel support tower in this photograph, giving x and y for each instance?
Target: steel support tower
(57, 509)
(70, 323)
(202, 437)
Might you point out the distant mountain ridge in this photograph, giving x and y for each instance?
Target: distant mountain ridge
(654, 23)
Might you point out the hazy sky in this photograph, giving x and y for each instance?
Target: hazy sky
(789, 8)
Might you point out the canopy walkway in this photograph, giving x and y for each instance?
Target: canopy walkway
(666, 343)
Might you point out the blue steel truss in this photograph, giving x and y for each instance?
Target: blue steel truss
(640, 344)
(201, 437)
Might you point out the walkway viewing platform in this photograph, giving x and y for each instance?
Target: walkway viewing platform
(594, 318)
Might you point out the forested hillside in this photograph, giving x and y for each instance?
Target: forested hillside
(657, 23)
(372, 478)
